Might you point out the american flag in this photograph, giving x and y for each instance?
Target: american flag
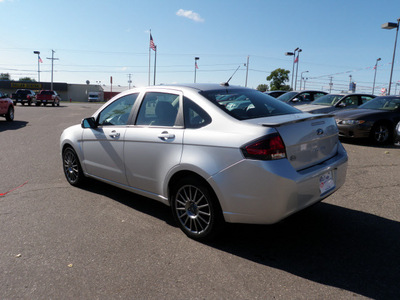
(40, 60)
(196, 65)
(152, 45)
(297, 59)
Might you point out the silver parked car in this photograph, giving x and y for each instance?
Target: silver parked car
(214, 153)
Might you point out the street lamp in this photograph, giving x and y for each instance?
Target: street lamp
(297, 68)
(390, 25)
(294, 56)
(301, 78)
(376, 67)
(195, 67)
(38, 63)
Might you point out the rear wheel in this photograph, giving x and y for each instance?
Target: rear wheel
(381, 134)
(196, 209)
(10, 114)
(72, 167)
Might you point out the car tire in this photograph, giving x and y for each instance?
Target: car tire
(10, 114)
(37, 103)
(196, 209)
(72, 167)
(381, 134)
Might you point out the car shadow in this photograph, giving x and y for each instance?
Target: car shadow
(328, 244)
(14, 125)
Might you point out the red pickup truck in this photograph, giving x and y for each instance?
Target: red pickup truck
(48, 96)
(6, 107)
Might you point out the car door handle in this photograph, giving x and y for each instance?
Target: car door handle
(114, 134)
(166, 136)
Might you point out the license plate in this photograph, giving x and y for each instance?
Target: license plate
(326, 182)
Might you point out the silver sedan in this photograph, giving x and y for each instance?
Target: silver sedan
(214, 153)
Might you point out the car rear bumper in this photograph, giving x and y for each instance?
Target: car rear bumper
(275, 190)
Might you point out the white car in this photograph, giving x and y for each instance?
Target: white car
(259, 162)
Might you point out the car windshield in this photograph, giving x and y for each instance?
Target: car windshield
(244, 104)
(327, 100)
(286, 96)
(383, 103)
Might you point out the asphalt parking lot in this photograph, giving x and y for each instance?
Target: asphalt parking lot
(99, 242)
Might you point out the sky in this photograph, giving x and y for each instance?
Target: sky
(93, 41)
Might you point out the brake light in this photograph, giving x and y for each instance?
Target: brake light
(270, 147)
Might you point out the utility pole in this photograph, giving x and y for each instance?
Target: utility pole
(330, 84)
(247, 70)
(52, 66)
(129, 81)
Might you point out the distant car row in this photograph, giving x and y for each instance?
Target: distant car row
(357, 115)
(25, 96)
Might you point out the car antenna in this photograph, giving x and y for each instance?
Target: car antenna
(227, 83)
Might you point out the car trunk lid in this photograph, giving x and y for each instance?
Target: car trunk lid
(309, 139)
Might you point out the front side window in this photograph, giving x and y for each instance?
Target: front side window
(158, 109)
(117, 113)
(245, 104)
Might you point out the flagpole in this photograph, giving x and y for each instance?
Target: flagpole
(149, 58)
(155, 64)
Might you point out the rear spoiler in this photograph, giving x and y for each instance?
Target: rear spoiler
(313, 117)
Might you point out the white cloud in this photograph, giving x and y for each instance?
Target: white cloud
(190, 15)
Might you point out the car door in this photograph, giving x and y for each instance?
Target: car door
(153, 146)
(103, 146)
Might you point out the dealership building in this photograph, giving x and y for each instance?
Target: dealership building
(67, 92)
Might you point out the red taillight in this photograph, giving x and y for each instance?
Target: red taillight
(270, 147)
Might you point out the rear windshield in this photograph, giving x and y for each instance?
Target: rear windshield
(287, 96)
(383, 103)
(327, 100)
(244, 104)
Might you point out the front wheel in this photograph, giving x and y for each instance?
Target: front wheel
(10, 114)
(72, 167)
(380, 134)
(196, 209)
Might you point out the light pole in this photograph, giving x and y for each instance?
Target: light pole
(390, 25)
(294, 56)
(297, 67)
(38, 64)
(301, 78)
(195, 67)
(376, 67)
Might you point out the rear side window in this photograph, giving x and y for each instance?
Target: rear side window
(195, 116)
(244, 104)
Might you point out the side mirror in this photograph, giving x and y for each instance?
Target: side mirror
(296, 100)
(89, 123)
(342, 105)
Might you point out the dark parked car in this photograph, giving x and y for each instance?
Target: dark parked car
(301, 97)
(24, 96)
(275, 94)
(332, 102)
(375, 119)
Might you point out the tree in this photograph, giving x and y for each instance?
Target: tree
(5, 76)
(262, 87)
(27, 79)
(278, 78)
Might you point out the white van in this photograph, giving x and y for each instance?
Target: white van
(94, 97)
